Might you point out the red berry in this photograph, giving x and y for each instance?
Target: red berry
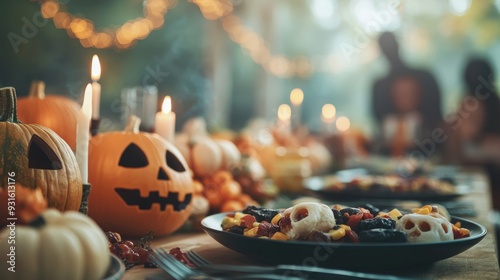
(125, 248)
(143, 254)
(113, 237)
(127, 251)
(129, 243)
(116, 250)
(133, 257)
(178, 254)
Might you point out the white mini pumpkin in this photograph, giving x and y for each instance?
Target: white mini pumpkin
(202, 154)
(231, 156)
(68, 246)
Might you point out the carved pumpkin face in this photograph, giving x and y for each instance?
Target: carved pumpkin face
(140, 182)
(36, 157)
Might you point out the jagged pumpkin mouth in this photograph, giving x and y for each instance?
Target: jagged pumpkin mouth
(132, 197)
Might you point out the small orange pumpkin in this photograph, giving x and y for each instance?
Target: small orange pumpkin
(140, 183)
(36, 157)
(56, 112)
(29, 204)
(223, 192)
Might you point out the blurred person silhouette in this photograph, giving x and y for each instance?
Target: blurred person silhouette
(406, 103)
(401, 127)
(474, 129)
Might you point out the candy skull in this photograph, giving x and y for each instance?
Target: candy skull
(307, 217)
(425, 228)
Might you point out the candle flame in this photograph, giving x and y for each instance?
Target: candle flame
(166, 106)
(96, 69)
(328, 112)
(343, 124)
(284, 112)
(296, 96)
(87, 102)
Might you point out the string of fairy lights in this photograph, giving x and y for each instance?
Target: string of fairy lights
(121, 37)
(258, 50)
(127, 34)
(252, 43)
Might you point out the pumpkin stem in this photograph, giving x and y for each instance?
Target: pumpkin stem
(133, 124)
(37, 90)
(8, 105)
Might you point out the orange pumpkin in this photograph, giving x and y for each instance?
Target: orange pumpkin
(200, 206)
(56, 112)
(29, 204)
(140, 183)
(224, 193)
(232, 205)
(36, 157)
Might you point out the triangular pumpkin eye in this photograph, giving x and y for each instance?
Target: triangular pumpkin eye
(174, 163)
(162, 175)
(41, 156)
(133, 157)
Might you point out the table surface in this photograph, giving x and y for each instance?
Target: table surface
(479, 262)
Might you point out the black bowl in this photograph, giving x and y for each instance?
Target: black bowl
(319, 186)
(116, 269)
(360, 256)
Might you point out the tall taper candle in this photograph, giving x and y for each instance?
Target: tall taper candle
(83, 135)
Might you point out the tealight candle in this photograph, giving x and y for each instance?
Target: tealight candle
(328, 113)
(165, 120)
(296, 98)
(343, 124)
(283, 122)
(82, 134)
(348, 142)
(96, 87)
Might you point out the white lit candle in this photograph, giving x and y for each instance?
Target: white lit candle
(328, 113)
(343, 124)
(165, 120)
(348, 142)
(96, 87)
(296, 98)
(82, 133)
(283, 123)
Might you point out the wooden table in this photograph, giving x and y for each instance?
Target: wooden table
(479, 262)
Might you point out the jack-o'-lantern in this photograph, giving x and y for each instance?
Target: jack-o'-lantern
(56, 112)
(140, 183)
(36, 157)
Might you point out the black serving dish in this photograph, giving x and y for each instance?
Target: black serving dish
(359, 256)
